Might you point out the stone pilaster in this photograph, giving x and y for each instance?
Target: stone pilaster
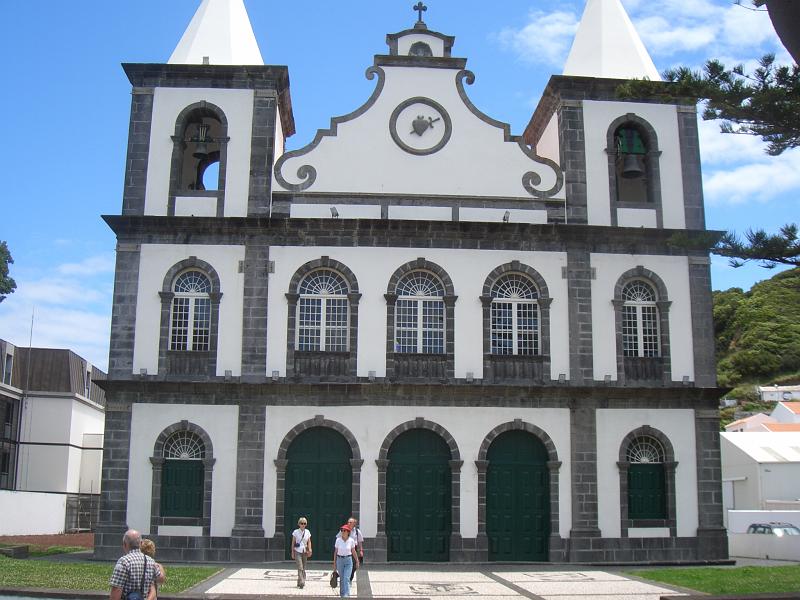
(262, 152)
(254, 321)
(572, 142)
(702, 307)
(689, 141)
(247, 537)
(138, 151)
(583, 452)
(114, 495)
(712, 539)
(579, 296)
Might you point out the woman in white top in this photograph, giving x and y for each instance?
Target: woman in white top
(301, 549)
(344, 559)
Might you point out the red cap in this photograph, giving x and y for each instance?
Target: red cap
(346, 526)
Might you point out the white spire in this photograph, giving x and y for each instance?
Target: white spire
(607, 45)
(221, 31)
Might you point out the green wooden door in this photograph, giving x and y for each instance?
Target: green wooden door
(182, 488)
(647, 497)
(318, 487)
(517, 498)
(418, 498)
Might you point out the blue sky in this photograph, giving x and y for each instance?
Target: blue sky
(67, 102)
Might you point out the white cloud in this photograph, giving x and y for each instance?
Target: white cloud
(545, 39)
(103, 263)
(71, 304)
(661, 36)
(755, 182)
(717, 148)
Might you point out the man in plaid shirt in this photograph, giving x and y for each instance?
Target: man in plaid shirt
(127, 575)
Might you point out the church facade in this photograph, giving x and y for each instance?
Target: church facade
(484, 346)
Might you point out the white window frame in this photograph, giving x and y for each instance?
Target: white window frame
(324, 298)
(516, 301)
(639, 306)
(193, 299)
(419, 301)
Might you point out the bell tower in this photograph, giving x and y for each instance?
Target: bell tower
(205, 130)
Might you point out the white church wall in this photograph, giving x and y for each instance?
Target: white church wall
(167, 105)
(363, 157)
(674, 271)
(345, 211)
(84, 419)
(371, 424)
(280, 138)
(612, 427)
(489, 215)
(374, 266)
(156, 260)
(548, 146)
(219, 422)
(597, 118)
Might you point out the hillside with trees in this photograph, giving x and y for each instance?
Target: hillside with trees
(758, 334)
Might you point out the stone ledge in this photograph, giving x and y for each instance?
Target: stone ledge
(16, 551)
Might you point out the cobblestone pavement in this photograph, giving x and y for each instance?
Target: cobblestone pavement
(467, 584)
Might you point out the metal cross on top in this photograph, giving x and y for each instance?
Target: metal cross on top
(420, 8)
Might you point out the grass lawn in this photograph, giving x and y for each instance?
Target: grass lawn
(738, 580)
(35, 551)
(86, 576)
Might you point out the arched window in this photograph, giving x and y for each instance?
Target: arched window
(190, 320)
(515, 316)
(420, 314)
(182, 482)
(640, 321)
(631, 164)
(323, 312)
(647, 491)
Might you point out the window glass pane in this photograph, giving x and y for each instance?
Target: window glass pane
(323, 282)
(630, 335)
(184, 445)
(514, 286)
(406, 326)
(179, 337)
(192, 282)
(336, 325)
(202, 325)
(502, 328)
(309, 323)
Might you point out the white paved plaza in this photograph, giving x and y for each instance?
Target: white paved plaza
(469, 584)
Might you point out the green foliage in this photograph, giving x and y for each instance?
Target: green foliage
(7, 284)
(758, 332)
(765, 102)
(768, 249)
(86, 576)
(740, 580)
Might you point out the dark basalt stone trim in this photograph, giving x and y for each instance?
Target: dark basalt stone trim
(385, 233)
(430, 62)
(392, 38)
(266, 393)
(307, 173)
(413, 200)
(562, 88)
(529, 179)
(218, 76)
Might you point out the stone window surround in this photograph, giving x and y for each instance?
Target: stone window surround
(662, 304)
(166, 294)
(449, 298)
(653, 171)
(353, 299)
(281, 462)
(553, 466)
(455, 477)
(670, 466)
(179, 148)
(544, 301)
(157, 461)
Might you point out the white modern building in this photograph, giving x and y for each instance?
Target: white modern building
(760, 469)
(481, 344)
(51, 447)
(778, 393)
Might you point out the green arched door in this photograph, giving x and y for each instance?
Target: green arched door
(517, 498)
(318, 487)
(418, 498)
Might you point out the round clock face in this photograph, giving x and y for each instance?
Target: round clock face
(420, 126)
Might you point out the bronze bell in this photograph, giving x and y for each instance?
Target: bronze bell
(201, 149)
(632, 167)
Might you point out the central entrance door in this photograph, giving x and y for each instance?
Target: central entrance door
(517, 498)
(418, 498)
(319, 487)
